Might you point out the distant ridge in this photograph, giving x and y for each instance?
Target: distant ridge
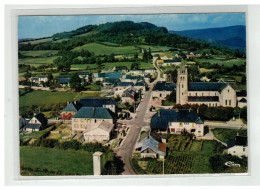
(231, 36)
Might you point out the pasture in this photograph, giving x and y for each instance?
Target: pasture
(227, 134)
(100, 49)
(225, 62)
(39, 53)
(111, 65)
(51, 161)
(37, 61)
(43, 97)
(37, 41)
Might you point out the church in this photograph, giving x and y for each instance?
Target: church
(212, 94)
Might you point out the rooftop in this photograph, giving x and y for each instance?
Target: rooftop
(206, 86)
(161, 119)
(125, 84)
(96, 102)
(203, 98)
(93, 113)
(164, 86)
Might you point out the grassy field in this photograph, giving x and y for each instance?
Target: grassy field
(83, 66)
(37, 61)
(100, 49)
(143, 65)
(35, 135)
(227, 134)
(230, 63)
(37, 41)
(155, 48)
(39, 53)
(43, 97)
(67, 162)
(93, 87)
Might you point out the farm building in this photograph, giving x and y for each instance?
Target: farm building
(177, 121)
(238, 146)
(63, 80)
(150, 147)
(99, 132)
(36, 123)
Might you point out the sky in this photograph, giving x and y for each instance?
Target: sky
(44, 26)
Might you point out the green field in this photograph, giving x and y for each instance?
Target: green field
(39, 53)
(100, 49)
(155, 48)
(50, 161)
(37, 41)
(230, 63)
(35, 135)
(83, 66)
(227, 134)
(37, 61)
(143, 65)
(43, 97)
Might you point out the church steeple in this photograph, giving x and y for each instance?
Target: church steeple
(182, 85)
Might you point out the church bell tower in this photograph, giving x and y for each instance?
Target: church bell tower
(182, 85)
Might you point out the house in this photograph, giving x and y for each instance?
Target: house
(149, 147)
(64, 80)
(129, 95)
(131, 78)
(238, 146)
(70, 110)
(241, 98)
(90, 117)
(162, 89)
(36, 123)
(171, 62)
(210, 93)
(136, 72)
(147, 78)
(101, 76)
(150, 71)
(140, 85)
(39, 79)
(84, 76)
(123, 69)
(99, 132)
(99, 102)
(160, 62)
(123, 85)
(108, 82)
(177, 121)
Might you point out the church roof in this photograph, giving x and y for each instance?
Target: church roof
(203, 98)
(206, 86)
(161, 121)
(164, 86)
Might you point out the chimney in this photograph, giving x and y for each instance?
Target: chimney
(177, 110)
(159, 113)
(189, 109)
(198, 110)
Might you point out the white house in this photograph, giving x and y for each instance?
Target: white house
(238, 146)
(36, 123)
(177, 122)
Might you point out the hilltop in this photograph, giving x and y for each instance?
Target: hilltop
(231, 36)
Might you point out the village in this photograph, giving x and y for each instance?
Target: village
(145, 117)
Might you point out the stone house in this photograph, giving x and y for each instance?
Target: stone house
(63, 80)
(162, 89)
(90, 117)
(238, 146)
(129, 95)
(123, 85)
(241, 98)
(177, 122)
(70, 110)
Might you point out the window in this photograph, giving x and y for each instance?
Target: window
(182, 86)
(160, 95)
(244, 149)
(228, 91)
(225, 102)
(196, 94)
(199, 131)
(202, 94)
(181, 93)
(234, 152)
(229, 102)
(95, 121)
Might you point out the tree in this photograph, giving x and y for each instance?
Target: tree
(135, 66)
(136, 56)
(172, 96)
(75, 82)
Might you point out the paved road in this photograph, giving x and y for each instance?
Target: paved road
(126, 150)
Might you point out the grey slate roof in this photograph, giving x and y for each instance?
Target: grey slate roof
(96, 102)
(238, 141)
(184, 115)
(32, 126)
(203, 98)
(125, 84)
(72, 107)
(151, 143)
(111, 80)
(243, 100)
(241, 93)
(206, 86)
(93, 113)
(140, 83)
(63, 79)
(116, 75)
(172, 60)
(164, 86)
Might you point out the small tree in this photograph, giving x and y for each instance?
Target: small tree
(75, 82)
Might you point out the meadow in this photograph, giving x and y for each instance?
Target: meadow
(38, 97)
(227, 134)
(40, 53)
(51, 161)
(100, 49)
(37, 61)
(33, 42)
(229, 63)
(111, 65)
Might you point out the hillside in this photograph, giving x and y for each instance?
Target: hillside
(232, 36)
